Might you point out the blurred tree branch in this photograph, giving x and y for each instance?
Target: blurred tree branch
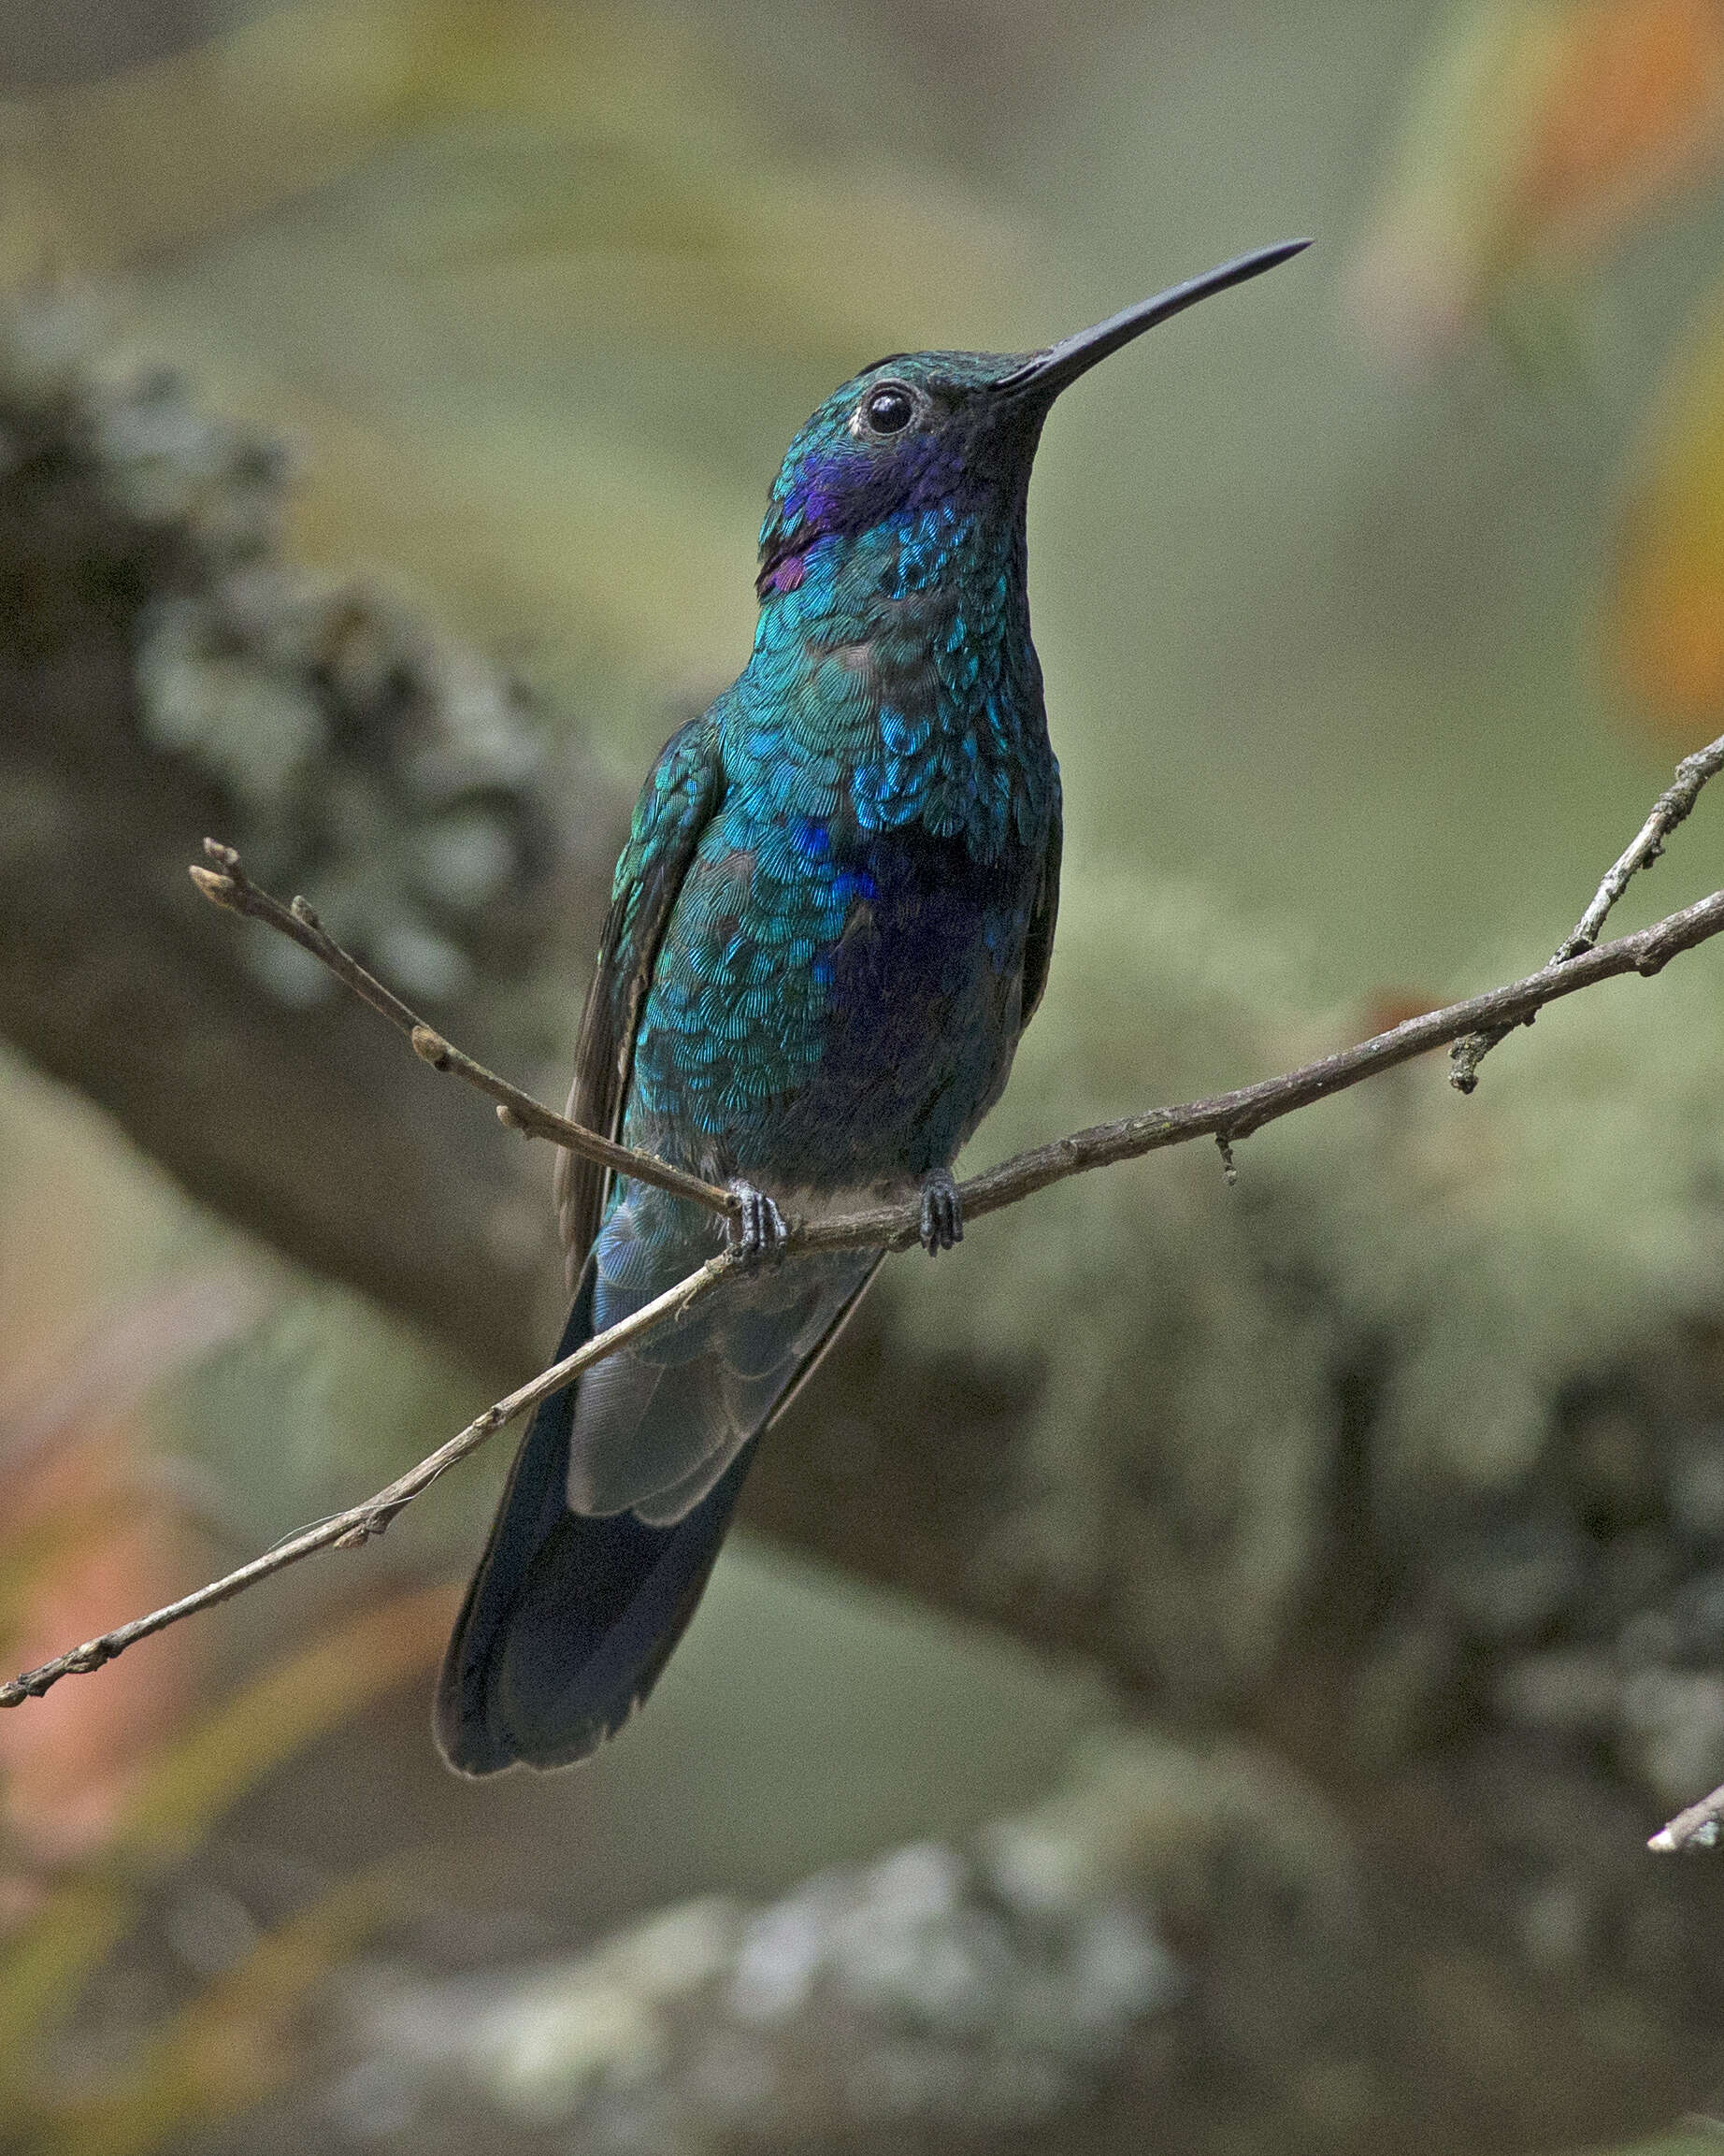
(161, 670)
(942, 1995)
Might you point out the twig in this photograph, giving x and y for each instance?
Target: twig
(1227, 1117)
(227, 884)
(1233, 1116)
(347, 1530)
(1700, 1827)
(1671, 807)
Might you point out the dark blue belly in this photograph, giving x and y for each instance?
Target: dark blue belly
(827, 1015)
(922, 993)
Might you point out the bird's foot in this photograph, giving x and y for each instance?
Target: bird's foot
(943, 1212)
(758, 1230)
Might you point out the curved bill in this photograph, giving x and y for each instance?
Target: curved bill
(1049, 372)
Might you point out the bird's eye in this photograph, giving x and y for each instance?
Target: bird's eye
(889, 409)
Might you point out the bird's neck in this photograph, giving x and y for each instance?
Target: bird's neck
(906, 648)
(941, 573)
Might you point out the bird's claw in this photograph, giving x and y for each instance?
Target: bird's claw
(943, 1212)
(757, 1230)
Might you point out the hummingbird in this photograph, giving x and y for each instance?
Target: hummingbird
(830, 923)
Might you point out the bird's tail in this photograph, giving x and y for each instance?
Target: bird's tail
(569, 1619)
(571, 1615)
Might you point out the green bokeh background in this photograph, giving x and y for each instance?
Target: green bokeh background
(1316, 633)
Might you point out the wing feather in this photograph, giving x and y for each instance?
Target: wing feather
(679, 798)
(1039, 943)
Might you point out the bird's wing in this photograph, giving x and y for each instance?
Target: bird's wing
(1038, 942)
(681, 796)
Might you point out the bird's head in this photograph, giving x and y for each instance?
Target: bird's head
(924, 431)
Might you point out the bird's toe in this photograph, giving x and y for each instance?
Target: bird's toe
(758, 1230)
(943, 1212)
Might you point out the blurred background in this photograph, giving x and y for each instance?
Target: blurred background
(1199, 1668)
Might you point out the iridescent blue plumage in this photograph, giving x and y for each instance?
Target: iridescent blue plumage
(830, 923)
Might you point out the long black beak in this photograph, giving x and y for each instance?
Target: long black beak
(1048, 372)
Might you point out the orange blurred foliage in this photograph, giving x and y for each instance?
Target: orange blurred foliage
(87, 1538)
(1541, 132)
(1664, 625)
(99, 1553)
(1632, 110)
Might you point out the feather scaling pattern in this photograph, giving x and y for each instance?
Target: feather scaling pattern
(830, 923)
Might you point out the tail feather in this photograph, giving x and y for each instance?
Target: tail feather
(572, 1612)
(569, 1619)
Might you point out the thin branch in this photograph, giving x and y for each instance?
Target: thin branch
(1227, 1117)
(1233, 1116)
(227, 884)
(1700, 1827)
(349, 1529)
(1671, 808)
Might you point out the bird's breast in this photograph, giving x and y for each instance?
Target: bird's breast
(832, 1005)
